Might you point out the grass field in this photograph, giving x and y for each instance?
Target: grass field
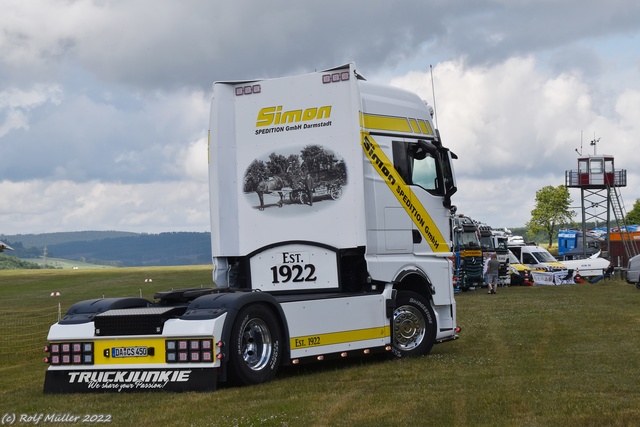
(528, 356)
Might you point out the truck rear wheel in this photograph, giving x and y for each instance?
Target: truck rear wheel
(255, 346)
(414, 325)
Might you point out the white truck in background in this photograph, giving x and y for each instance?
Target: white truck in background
(331, 237)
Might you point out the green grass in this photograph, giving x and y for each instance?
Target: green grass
(528, 356)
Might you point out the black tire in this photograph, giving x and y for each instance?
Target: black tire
(638, 285)
(413, 327)
(255, 346)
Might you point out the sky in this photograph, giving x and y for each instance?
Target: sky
(104, 104)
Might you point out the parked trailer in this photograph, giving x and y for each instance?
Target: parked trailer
(367, 270)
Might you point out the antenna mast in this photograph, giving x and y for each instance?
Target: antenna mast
(433, 91)
(580, 152)
(594, 142)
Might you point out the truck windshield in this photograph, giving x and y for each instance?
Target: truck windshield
(487, 242)
(467, 238)
(502, 243)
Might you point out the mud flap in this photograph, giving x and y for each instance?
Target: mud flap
(130, 380)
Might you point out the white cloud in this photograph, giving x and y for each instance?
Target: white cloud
(104, 105)
(15, 105)
(515, 128)
(43, 206)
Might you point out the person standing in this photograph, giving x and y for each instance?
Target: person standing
(493, 268)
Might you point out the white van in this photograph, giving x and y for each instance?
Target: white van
(537, 258)
(633, 271)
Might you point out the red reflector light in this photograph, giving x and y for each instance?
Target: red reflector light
(189, 351)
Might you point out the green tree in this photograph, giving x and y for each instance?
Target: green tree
(633, 216)
(551, 210)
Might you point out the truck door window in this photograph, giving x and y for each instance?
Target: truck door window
(418, 164)
(425, 173)
(527, 258)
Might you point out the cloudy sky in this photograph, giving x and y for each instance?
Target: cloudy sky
(104, 103)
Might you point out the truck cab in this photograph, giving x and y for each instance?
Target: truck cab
(331, 238)
(469, 265)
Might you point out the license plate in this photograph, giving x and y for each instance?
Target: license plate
(129, 352)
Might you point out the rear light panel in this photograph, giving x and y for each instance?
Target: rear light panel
(189, 351)
(335, 77)
(69, 353)
(248, 90)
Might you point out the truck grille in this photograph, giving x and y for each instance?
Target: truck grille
(134, 321)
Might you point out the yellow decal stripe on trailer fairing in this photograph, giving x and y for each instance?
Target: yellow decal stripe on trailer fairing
(404, 194)
(340, 337)
(396, 124)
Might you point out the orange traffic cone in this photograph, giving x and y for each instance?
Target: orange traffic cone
(527, 280)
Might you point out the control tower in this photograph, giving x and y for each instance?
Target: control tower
(599, 184)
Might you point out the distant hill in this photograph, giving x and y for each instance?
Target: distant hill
(115, 248)
(39, 240)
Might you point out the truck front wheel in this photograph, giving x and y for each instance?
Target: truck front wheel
(255, 346)
(414, 325)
